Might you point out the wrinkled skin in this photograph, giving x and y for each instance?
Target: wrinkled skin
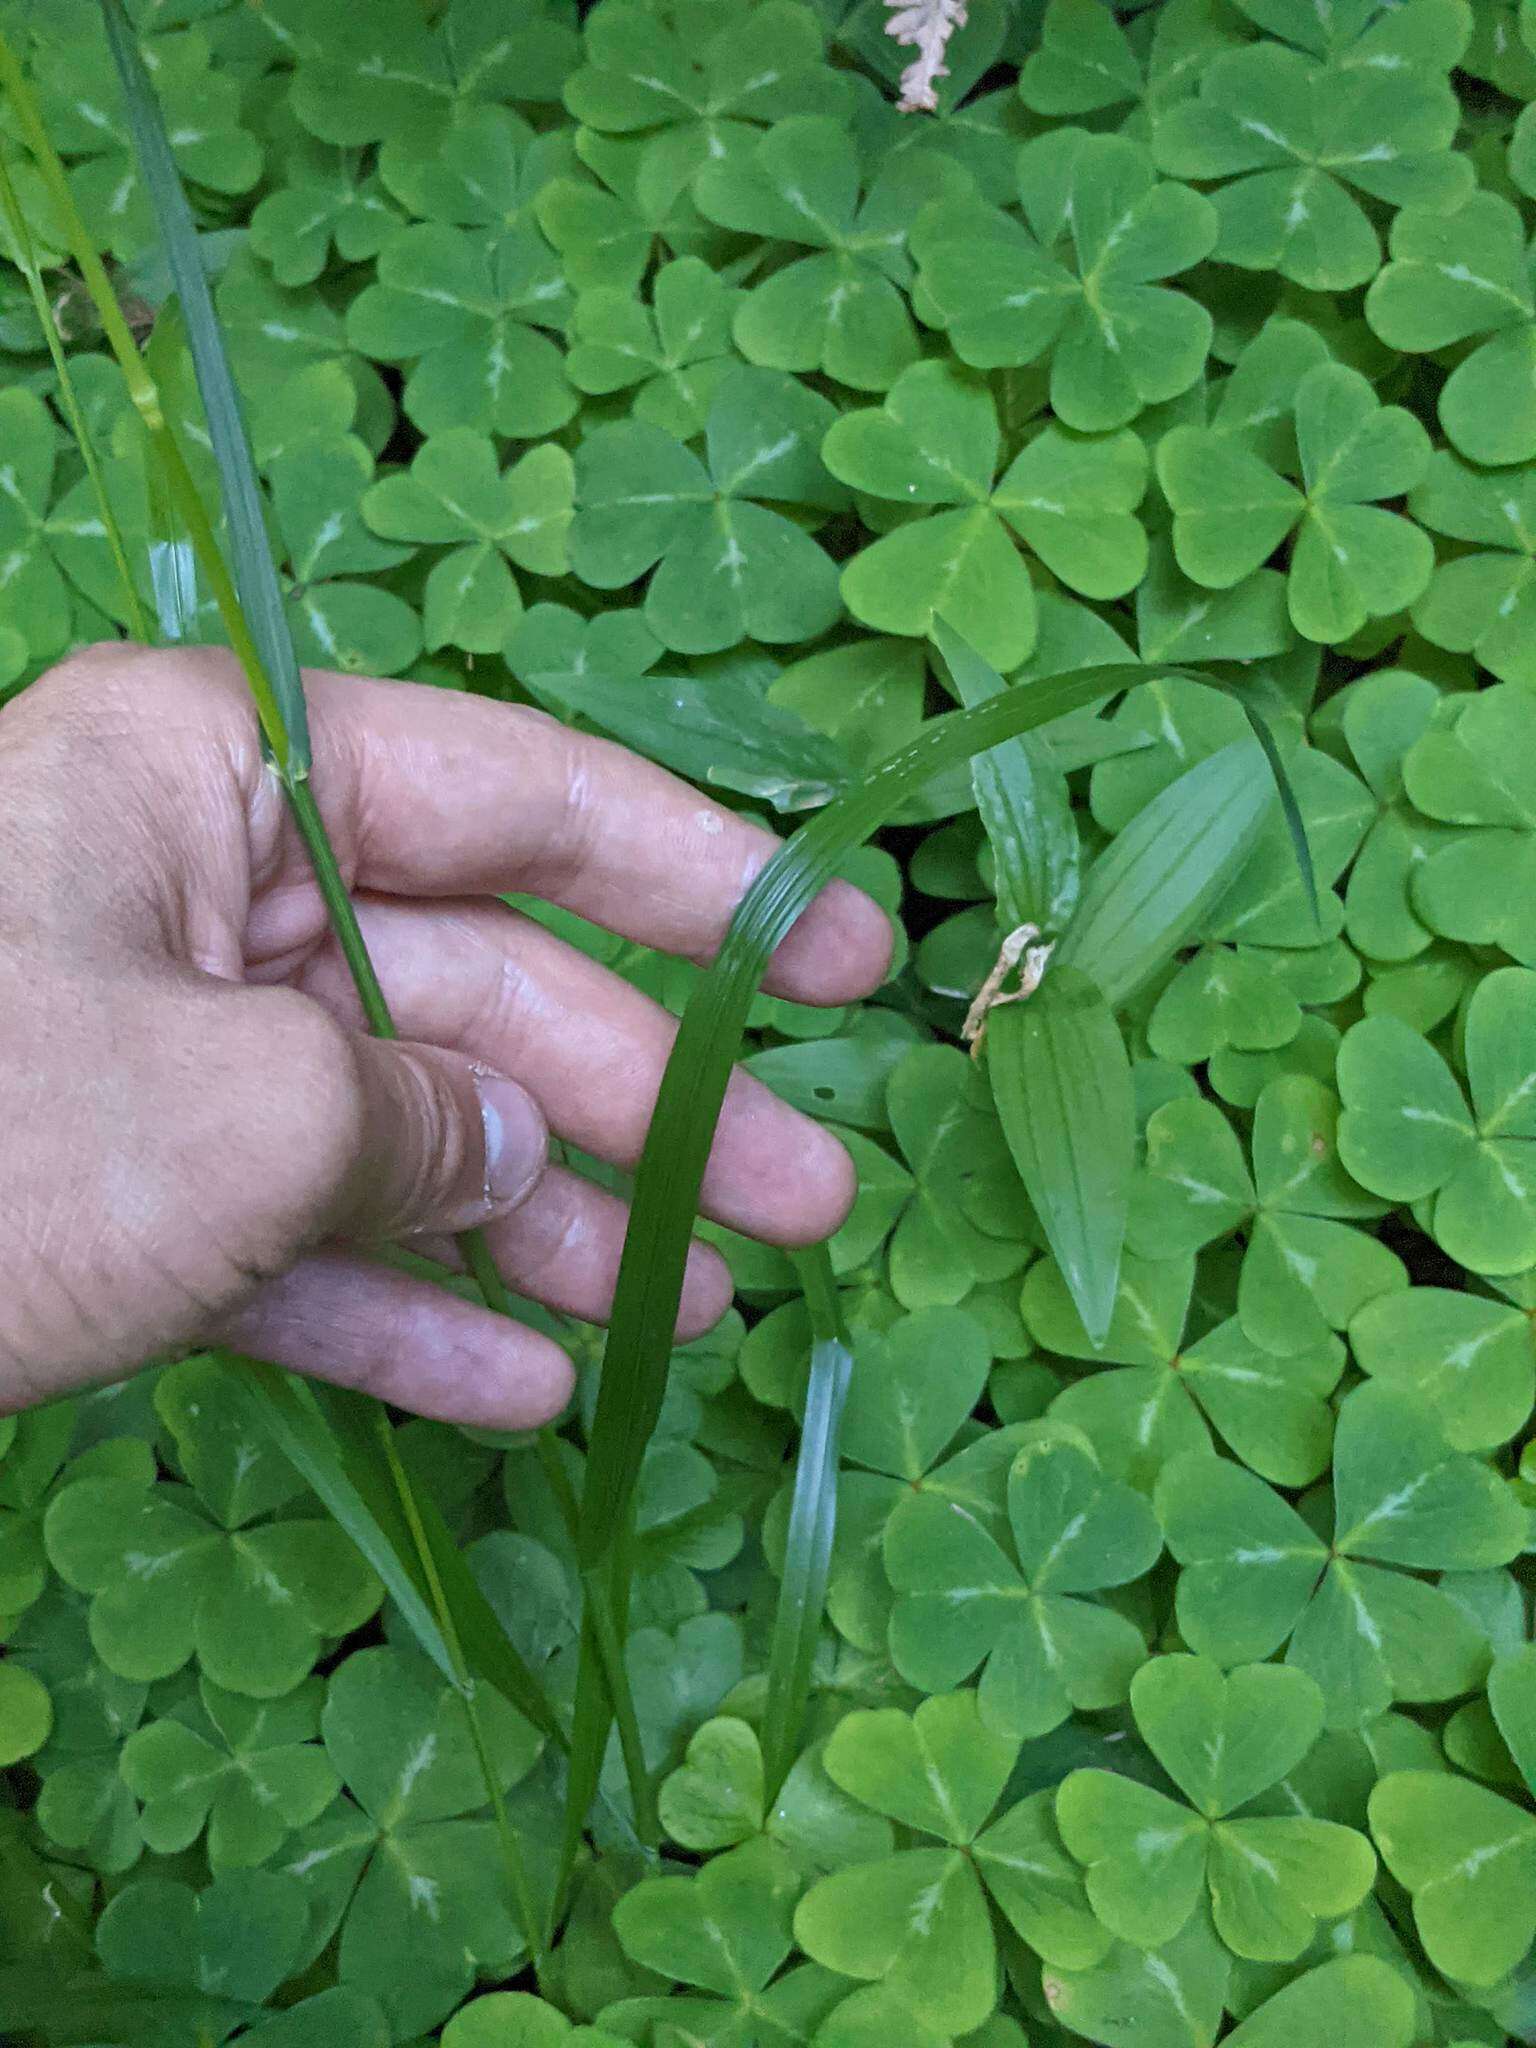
(200, 1141)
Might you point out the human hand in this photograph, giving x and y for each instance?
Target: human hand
(199, 1136)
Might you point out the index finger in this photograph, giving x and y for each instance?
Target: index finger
(431, 792)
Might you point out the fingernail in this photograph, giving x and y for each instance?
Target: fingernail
(516, 1140)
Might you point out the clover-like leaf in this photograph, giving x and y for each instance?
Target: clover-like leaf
(322, 204)
(716, 1797)
(1354, 2001)
(1471, 772)
(916, 1922)
(26, 1713)
(254, 1603)
(672, 354)
(1407, 1131)
(1271, 1407)
(1512, 1701)
(1172, 1996)
(455, 494)
(912, 1386)
(965, 1218)
(1382, 717)
(841, 311)
(1085, 62)
(1177, 620)
(237, 1939)
(1255, 1573)
(386, 73)
(1222, 997)
(1469, 1859)
(251, 1771)
(1482, 602)
(1083, 280)
(409, 1872)
(34, 1466)
(465, 312)
(940, 1770)
(1350, 560)
(338, 617)
(87, 121)
(1019, 1612)
(274, 334)
(1289, 137)
(83, 1806)
(935, 442)
(611, 215)
(708, 79)
(1223, 1738)
(1306, 1271)
(728, 565)
(487, 170)
(49, 540)
(516, 2019)
(725, 1930)
(1454, 276)
(1469, 1357)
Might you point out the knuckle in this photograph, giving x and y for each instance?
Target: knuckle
(109, 684)
(575, 819)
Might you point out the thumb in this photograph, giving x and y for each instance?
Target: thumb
(447, 1144)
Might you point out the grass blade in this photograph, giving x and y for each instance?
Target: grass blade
(514, 1868)
(671, 1166)
(392, 1527)
(1290, 808)
(812, 1524)
(256, 580)
(1024, 805)
(42, 305)
(144, 396)
(172, 558)
(277, 686)
(328, 1438)
(1061, 1079)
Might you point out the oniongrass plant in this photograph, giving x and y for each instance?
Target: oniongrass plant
(342, 1445)
(249, 599)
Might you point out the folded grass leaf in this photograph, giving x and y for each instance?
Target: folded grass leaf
(671, 1168)
(812, 1525)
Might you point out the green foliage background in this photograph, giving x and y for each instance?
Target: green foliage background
(1178, 1681)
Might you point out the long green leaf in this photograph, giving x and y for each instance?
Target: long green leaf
(277, 686)
(326, 1437)
(42, 306)
(693, 1087)
(1061, 1079)
(812, 1524)
(1147, 893)
(143, 394)
(1290, 809)
(1024, 804)
(261, 596)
